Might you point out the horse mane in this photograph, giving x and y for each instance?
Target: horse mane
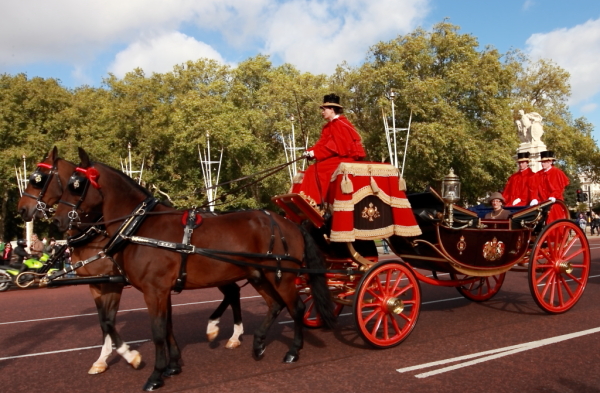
(126, 179)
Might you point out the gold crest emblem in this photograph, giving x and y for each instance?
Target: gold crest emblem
(76, 184)
(493, 250)
(461, 245)
(370, 212)
(37, 178)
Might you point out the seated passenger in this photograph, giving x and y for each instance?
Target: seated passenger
(339, 142)
(498, 213)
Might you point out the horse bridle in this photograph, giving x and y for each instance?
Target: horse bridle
(42, 181)
(77, 185)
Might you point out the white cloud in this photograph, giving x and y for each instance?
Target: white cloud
(159, 54)
(528, 4)
(577, 50)
(314, 35)
(587, 108)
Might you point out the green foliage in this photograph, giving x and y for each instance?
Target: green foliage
(461, 98)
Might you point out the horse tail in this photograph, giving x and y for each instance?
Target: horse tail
(320, 291)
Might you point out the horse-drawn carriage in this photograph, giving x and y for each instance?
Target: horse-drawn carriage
(452, 242)
(141, 241)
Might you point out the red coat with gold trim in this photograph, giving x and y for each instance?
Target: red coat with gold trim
(339, 142)
(519, 186)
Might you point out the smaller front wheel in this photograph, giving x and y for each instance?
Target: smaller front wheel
(5, 281)
(387, 304)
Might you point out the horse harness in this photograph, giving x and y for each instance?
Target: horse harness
(191, 220)
(41, 181)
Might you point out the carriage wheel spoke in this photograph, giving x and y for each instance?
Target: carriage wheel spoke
(371, 315)
(403, 290)
(559, 292)
(566, 285)
(385, 327)
(377, 325)
(552, 289)
(398, 279)
(578, 280)
(568, 247)
(374, 294)
(543, 276)
(548, 282)
(396, 327)
(578, 252)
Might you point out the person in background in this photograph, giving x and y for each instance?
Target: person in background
(21, 254)
(582, 222)
(36, 247)
(7, 254)
(595, 224)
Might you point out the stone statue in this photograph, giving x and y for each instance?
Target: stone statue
(529, 127)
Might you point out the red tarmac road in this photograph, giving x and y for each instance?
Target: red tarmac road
(50, 337)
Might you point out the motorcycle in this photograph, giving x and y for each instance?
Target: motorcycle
(34, 268)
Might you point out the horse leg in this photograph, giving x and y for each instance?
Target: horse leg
(232, 295)
(173, 367)
(212, 329)
(275, 307)
(157, 302)
(107, 298)
(297, 313)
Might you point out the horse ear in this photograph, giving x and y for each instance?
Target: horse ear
(85, 159)
(53, 155)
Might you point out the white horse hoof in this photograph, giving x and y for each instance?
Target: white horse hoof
(98, 368)
(232, 344)
(212, 335)
(136, 361)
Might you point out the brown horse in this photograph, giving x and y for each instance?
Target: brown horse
(45, 189)
(259, 246)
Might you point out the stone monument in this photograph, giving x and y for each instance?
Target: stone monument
(530, 131)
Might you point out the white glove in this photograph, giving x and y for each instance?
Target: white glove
(308, 154)
(516, 201)
(533, 202)
(552, 199)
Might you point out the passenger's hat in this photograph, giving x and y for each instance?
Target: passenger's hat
(495, 195)
(331, 100)
(547, 155)
(523, 156)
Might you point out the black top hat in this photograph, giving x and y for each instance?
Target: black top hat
(547, 155)
(523, 156)
(331, 100)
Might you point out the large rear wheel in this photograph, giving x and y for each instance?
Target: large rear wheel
(559, 266)
(387, 304)
(480, 290)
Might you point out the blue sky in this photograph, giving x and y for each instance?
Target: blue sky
(80, 42)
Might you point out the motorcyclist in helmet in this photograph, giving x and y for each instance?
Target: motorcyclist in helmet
(21, 254)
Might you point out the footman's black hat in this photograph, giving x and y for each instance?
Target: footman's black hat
(523, 156)
(547, 155)
(331, 100)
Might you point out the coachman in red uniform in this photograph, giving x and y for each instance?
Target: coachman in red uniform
(518, 190)
(551, 183)
(339, 142)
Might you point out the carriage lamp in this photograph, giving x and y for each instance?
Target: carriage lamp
(450, 193)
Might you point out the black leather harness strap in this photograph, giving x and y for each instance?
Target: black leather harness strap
(192, 221)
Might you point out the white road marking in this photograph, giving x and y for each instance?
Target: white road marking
(65, 350)
(493, 354)
(132, 309)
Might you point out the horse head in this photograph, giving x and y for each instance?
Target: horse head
(44, 188)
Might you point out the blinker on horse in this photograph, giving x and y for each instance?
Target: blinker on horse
(227, 249)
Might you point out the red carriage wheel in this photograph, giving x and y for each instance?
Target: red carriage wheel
(387, 304)
(311, 318)
(559, 266)
(484, 288)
